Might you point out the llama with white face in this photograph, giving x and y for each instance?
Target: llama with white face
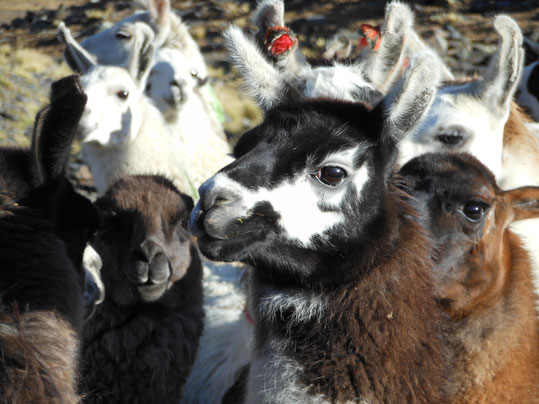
(366, 81)
(470, 116)
(340, 282)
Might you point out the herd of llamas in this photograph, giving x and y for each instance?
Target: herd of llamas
(373, 240)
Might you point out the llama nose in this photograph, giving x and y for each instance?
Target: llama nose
(149, 249)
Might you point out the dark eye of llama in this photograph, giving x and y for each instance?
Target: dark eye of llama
(124, 36)
(331, 175)
(450, 137)
(474, 211)
(122, 94)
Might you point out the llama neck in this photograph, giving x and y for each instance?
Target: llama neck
(363, 340)
(506, 371)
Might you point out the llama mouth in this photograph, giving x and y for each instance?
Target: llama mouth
(203, 225)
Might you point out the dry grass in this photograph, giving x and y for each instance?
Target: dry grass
(25, 77)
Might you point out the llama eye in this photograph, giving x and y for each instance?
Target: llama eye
(450, 140)
(451, 136)
(331, 175)
(124, 36)
(474, 211)
(123, 94)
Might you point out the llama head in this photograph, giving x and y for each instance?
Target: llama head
(310, 180)
(471, 116)
(143, 239)
(172, 82)
(113, 114)
(113, 45)
(366, 81)
(467, 216)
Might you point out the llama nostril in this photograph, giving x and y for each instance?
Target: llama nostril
(138, 272)
(159, 269)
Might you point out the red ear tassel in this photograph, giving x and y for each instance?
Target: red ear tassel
(280, 41)
(371, 36)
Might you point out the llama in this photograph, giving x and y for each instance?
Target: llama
(340, 286)
(528, 88)
(142, 340)
(178, 59)
(483, 274)
(123, 133)
(44, 225)
(366, 81)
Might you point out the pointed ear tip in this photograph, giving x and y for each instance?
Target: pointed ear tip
(504, 23)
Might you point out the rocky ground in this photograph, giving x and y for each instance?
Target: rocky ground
(30, 54)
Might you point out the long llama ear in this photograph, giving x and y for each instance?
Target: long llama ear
(408, 104)
(76, 56)
(385, 65)
(55, 127)
(505, 68)
(262, 80)
(160, 14)
(141, 56)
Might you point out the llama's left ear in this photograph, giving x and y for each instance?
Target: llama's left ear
(409, 102)
(76, 56)
(262, 80)
(55, 128)
(142, 56)
(269, 13)
(524, 201)
(503, 74)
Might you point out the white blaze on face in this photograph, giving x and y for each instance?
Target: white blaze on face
(297, 201)
(472, 115)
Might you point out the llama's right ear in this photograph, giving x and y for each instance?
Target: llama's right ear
(503, 74)
(262, 80)
(160, 13)
(55, 128)
(76, 56)
(384, 66)
(524, 201)
(142, 56)
(409, 102)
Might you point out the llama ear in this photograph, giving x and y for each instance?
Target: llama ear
(265, 84)
(160, 14)
(76, 56)
(142, 55)
(411, 99)
(384, 66)
(504, 70)
(269, 13)
(55, 128)
(525, 202)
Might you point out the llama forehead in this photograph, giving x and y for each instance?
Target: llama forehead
(108, 79)
(341, 82)
(305, 207)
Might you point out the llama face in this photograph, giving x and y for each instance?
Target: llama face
(467, 216)
(144, 243)
(297, 181)
(171, 82)
(459, 121)
(112, 115)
